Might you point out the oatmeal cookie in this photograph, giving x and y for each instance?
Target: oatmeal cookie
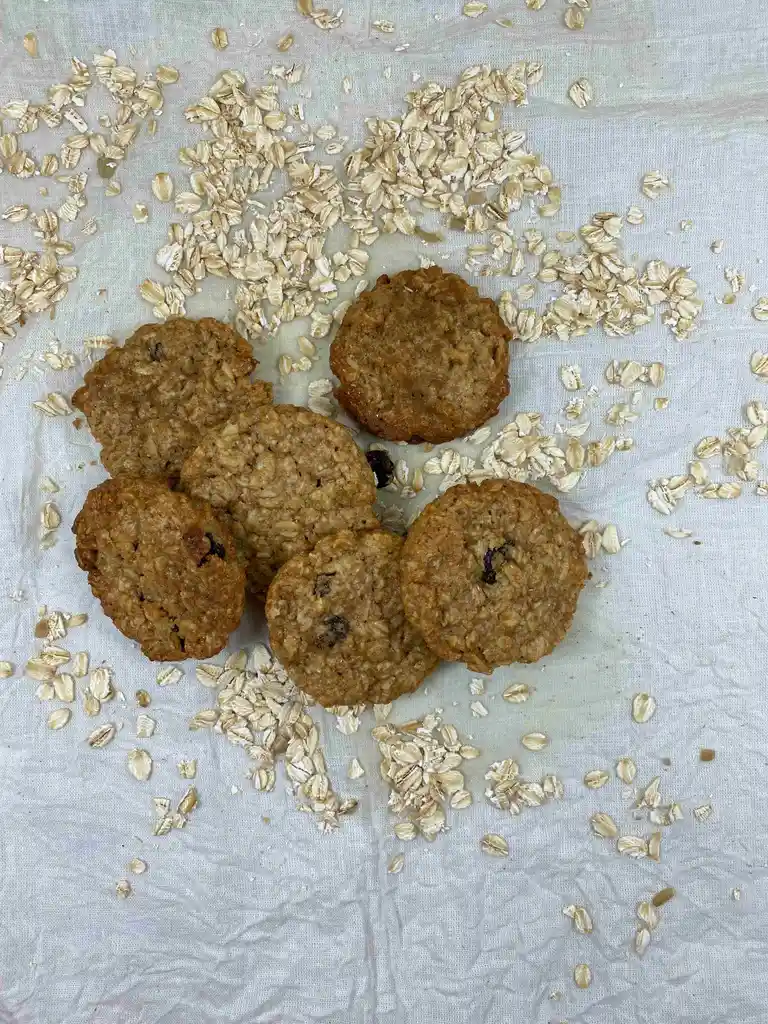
(421, 357)
(282, 477)
(148, 402)
(336, 621)
(164, 568)
(491, 573)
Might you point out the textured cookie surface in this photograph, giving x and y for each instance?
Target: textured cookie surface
(422, 356)
(148, 401)
(283, 477)
(164, 568)
(491, 573)
(336, 621)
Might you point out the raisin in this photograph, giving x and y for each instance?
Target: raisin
(336, 630)
(322, 587)
(156, 351)
(383, 467)
(492, 559)
(216, 550)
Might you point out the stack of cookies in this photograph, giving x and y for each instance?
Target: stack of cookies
(216, 492)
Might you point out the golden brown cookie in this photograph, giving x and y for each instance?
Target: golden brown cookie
(164, 568)
(336, 621)
(421, 357)
(148, 402)
(282, 477)
(491, 573)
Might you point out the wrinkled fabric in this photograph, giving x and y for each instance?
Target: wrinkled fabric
(250, 914)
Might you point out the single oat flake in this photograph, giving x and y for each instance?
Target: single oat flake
(140, 764)
(220, 39)
(626, 769)
(581, 93)
(535, 741)
(643, 708)
(137, 866)
(582, 975)
(580, 916)
(654, 184)
(123, 889)
(103, 735)
(517, 693)
(604, 826)
(494, 845)
(596, 779)
(396, 865)
(59, 718)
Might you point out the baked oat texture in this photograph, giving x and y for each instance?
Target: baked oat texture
(336, 621)
(148, 401)
(163, 566)
(421, 357)
(282, 477)
(491, 573)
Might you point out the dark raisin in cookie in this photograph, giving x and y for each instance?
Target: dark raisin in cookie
(164, 568)
(421, 357)
(491, 573)
(336, 621)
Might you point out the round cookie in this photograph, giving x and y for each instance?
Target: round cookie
(336, 621)
(164, 568)
(421, 357)
(491, 573)
(282, 477)
(148, 401)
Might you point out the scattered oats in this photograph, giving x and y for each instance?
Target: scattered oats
(101, 684)
(610, 540)
(535, 741)
(205, 719)
(123, 889)
(643, 707)
(16, 214)
(517, 693)
(91, 706)
(476, 687)
(736, 894)
(284, 43)
(571, 378)
(137, 866)
(405, 831)
(64, 687)
(654, 846)
(39, 670)
(162, 186)
(735, 279)
(355, 770)
(535, 5)
(604, 826)
(596, 779)
(635, 215)
(395, 866)
(494, 845)
(581, 93)
(626, 770)
(6, 669)
(140, 213)
(45, 691)
(220, 39)
(648, 914)
(383, 26)
(187, 768)
(580, 916)
(758, 362)
(582, 974)
(703, 813)
(30, 44)
(166, 75)
(642, 940)
(53, 405)
(659, 404)
(632, 846)
(59, 718)
(474, 8)
(169, 676)
(114, 188)
(478, 709)
(80, 664)
(209, 675)
(139, 764)
(103, 735)
(461, 799)
(189, 801)
(717, 246)
(654, 184)
(145, 726)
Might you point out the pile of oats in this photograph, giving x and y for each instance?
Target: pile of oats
(37, 279)
(259, 708)
(509, 791)
(420, 764)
